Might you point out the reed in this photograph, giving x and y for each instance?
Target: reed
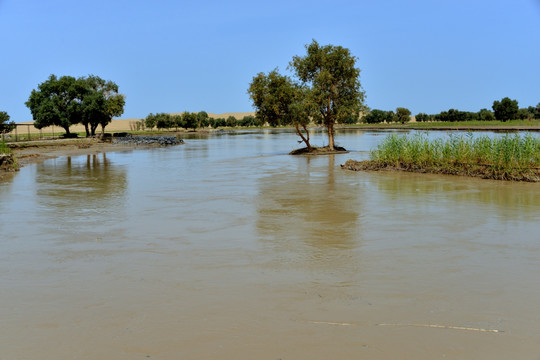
(4, 149)
(510, 157)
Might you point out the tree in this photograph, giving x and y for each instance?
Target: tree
(202, 119)
(189, 120)
(376, 116)
(66, 101)
(279, 101)
(101, 102)
(163, 121)
(150, 121)
(403, 115)
(177, 121)
(57, 102)
(422, 117)
(6, 126)
(485, 115)
(506, 109)
(231, 121)
(535, 111)
(524, 114)
(333, 82)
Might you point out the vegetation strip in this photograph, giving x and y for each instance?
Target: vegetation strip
(511, 157)
(7, 161)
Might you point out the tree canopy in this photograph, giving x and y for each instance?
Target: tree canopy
(280, 101)
(67, 100)
(326, 90)
(403, 115)
(334, 85)
(6, 126)
(506, 109)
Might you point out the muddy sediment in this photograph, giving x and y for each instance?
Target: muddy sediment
(472, 170)
(319, 151)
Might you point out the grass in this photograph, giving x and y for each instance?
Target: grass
(4, 149)
(510, 157)
(7, 160)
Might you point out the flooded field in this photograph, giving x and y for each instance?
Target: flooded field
(227, 248)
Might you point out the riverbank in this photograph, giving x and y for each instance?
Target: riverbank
(511, 157)
(36, 151)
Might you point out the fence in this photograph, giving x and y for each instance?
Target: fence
(27, 132)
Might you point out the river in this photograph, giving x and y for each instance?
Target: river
(228, 248)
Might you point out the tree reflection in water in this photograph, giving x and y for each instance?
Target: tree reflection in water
(83, 190)
(310, 215)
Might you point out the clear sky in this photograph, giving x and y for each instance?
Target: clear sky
(174, 56)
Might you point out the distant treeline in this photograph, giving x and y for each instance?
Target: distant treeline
(503, 110)
(192, 120)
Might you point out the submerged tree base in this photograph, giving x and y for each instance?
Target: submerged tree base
(319, 151)
(473, 170)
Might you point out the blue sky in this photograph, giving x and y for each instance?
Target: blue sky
(173, 56)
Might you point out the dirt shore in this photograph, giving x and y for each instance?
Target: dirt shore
(37, 151)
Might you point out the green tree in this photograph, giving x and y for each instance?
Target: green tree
(219, 122)
(485, 115)
(6, 126)
(375, 116)
(150, 121)
(66, 101)
(422, 117)
(177, 121)
(202, 119)
(333, 81)
(279, 101)
(403, 115)
(249, 120)
(164, 121)
(231, 121)
(101, 102)
(190, 120)
(506, 109)
(525, 114)
(57, 101)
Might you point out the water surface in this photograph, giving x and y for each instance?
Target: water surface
(227, 248)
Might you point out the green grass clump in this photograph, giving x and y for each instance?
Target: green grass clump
(4, 149)
(7, 160)
(511, 157)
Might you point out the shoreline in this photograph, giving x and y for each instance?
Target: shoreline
(38, 151)
(469, 170)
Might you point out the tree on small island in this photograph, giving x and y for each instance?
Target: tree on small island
(327, 91)
(67, 101)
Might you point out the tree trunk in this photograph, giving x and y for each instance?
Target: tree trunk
(329, 119)
(86, 128)
(304, 139)
(93, 128)
(330, 128)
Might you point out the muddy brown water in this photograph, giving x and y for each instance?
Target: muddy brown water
(227, 248)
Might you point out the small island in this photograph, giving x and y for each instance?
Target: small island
(510, 157)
